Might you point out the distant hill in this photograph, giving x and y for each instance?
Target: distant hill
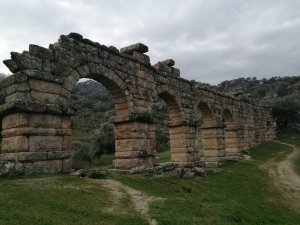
(264, 89)
(282, 93)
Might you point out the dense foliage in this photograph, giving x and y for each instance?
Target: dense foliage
(282, 93)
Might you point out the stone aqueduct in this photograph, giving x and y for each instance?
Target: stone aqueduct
(36, 115)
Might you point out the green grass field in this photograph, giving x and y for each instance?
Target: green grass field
(240, 194)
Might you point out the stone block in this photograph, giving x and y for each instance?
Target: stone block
(31, 156)
(126, 164)
(20, 87)
(29, 131)
(39, 52)
(141, 57)
(52, 166)
(132, 127)
(182, 157)
(126, 154)
(213, 153)
(211, 132)
(132, 144)
(67, 143)
(15, 120)
(131, 135)
(70, 83)
(64, 132)
(45, 121)
(59, 154)
(44, 97)
(8, 157)
(17, 96)
(45, 143)
(180, 143)
(15, 144)
(119, 106)
(181, 130)
(66, 165)
(211, 165)
(43, 86)
(179, 150)
(169, 62)
(65, 93)
(139, 47)
(142, 75)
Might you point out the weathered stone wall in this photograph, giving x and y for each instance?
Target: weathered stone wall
(36, 128)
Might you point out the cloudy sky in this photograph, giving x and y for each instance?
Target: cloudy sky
(210, 40)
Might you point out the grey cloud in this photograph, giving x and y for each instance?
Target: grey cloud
(210, 40)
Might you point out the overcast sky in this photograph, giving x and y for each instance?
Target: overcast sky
(209, 40)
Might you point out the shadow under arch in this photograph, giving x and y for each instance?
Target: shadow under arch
(173, 106)
(230, 134)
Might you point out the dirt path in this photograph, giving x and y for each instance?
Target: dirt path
(140, 200)
(284, 177)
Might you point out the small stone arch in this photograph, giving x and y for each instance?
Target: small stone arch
(212, 136)
(181, 146)
(230, 134)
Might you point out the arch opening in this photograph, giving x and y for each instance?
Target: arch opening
(210, 135)
(104, 103)
(205, 118)
(161, 118)
(173, 134)
(230, 134)
(93, 142)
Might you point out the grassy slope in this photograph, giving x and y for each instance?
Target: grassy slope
(240, 194)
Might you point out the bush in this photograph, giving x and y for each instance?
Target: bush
(80, 154)
(286, 110)
(103, 140)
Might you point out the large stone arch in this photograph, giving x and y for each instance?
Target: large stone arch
(230, 134)
(36, 127)
(181, 134)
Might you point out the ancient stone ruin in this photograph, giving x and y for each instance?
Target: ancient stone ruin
(36, 116)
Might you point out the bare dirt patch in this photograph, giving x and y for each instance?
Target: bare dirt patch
(140, 200)
(284, 177)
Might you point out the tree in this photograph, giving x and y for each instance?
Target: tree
(286, 110)
(103, 140)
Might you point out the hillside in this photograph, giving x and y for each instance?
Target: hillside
(282, 93)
